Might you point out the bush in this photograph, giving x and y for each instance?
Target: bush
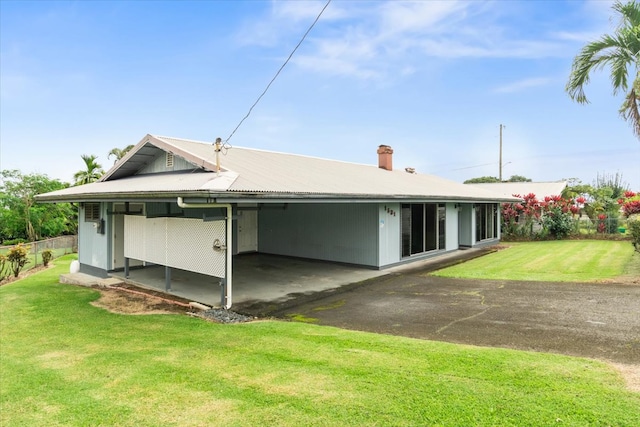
(634, 230)
(18, 257)
(10, 242)
(557, 223)
(534, 219)
(4, 270)
(46, 255)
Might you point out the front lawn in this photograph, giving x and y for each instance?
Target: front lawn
(36, 259)
(64, 362)
(552, 261)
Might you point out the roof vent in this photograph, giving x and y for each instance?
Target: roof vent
(169, 161)
(410, 170)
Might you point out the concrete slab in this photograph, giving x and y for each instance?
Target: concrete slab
(255, 277)
(262, 278)
(81, 279)
(111, 281)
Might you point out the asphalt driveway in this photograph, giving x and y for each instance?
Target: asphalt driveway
(590, 320)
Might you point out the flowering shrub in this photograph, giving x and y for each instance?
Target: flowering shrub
(630, 204)
(531, 218)
(634, 230)
(602, 223)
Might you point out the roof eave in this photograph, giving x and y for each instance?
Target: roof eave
(120, 196)
(231, 197)
(163, 145)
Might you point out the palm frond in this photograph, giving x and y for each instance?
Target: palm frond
(620, 51)
(629, 12)
(630, 110)
(592, 57)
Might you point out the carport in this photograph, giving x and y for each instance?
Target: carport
(264, 279)
(256, 278)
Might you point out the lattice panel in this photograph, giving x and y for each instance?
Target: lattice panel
(176, 242)
(190, 245)
(134, 235)
(155, 242)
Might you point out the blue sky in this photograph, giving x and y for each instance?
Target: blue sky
(432, 79)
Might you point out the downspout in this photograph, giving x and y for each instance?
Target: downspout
(226, 292)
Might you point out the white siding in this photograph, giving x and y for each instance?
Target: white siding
(93, 246)
(451, 227)
(389, 234)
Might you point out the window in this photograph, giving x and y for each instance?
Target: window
(423, 227)
(91, 212)
(486, 220)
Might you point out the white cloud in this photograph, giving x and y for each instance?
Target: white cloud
(285, 19)
(419, 17)
(305, 11)
(362, 39)
(521, 85)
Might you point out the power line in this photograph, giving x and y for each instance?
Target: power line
(278, 73)
(575, 156)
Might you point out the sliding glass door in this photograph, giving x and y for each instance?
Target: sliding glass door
(486, 221)
(423, 227)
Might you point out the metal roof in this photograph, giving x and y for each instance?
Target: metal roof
(540, 189)
(257, 174)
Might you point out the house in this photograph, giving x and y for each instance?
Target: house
(193, 206)
(540, 189)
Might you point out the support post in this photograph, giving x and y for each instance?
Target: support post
(167, 278)
(500, 171)
(126, 267)
(227, 286)
(223, 293)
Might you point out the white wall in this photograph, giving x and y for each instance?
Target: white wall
(93, 246)
(452, 226)
(389, 241)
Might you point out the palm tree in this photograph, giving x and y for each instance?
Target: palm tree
(620, 51)
(92, 173)
(119, 153)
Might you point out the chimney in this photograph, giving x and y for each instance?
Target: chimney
(385, 155)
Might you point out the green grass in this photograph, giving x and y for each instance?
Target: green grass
(32, 258)
(65, 362)
(554, 261)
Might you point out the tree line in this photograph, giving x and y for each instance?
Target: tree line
(22, 219)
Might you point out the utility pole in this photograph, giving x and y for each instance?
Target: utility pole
(500, 170)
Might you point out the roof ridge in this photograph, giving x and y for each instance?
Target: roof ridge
(262, 150)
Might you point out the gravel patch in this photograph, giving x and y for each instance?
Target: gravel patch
(224, 316)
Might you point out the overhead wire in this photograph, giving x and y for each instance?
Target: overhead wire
(225, 144)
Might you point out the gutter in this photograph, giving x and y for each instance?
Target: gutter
(227, 282)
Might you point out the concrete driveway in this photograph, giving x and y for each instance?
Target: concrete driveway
(590, 320)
